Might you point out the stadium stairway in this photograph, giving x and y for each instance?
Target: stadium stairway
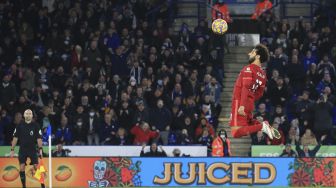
(233, 63)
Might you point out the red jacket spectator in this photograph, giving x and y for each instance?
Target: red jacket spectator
(204, 123)
(143, 134)
(76, 57)
(221, 10)
(261, 7)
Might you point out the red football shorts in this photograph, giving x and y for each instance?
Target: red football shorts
(238, 120)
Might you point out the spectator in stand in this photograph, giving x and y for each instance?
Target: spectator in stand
(302, 108)
(279, 93)
(288, 152)
(205, 139)
(308, 138)
(262, 113)
(326, 81)
(296, 74)
(79, 133)
(7, 92)
(261, 7)
(312, 75)
(160, 117)
(154, 152)
(141, 113)
(120, 138)
(203, 123)
(308, 60)
(143, 134)
(92, 123)
(326, 67)
(60, 152)
(322, 116)
(221, 145)
(259, 138)
(281, 140)
(221, 10)
(306, 152)
(108, 128)
(330, 97)
(213, 89)
(64, 134)
(185, 138)
(277, 62)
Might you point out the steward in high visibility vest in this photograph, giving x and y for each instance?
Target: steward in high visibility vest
(221, 10)
(261, 7)
(221, 145)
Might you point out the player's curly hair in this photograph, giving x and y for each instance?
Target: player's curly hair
(263, 52)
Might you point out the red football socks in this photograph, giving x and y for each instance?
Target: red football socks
(247, 130)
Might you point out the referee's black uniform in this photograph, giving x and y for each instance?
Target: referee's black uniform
(27, 134)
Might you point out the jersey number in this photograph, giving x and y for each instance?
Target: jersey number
(256, 85)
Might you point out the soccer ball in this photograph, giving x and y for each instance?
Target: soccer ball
(219, 26)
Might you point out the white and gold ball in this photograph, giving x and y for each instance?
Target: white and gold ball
(219, 26)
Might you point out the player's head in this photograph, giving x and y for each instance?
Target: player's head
(259, 53)
(28, 115)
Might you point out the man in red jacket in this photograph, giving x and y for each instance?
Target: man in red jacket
(143, 134)
(249, 87)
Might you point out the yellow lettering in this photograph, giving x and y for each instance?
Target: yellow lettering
(238, 170)
(167, 175)
(271, 171)
(211, 170)
(178, 173)
(201, 173)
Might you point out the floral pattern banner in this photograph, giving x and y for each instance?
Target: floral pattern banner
(312, 172)
(138, 172)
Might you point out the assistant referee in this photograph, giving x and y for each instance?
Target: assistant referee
(28, 133)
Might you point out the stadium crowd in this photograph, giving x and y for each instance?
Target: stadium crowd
(300, 97)
(101, 74)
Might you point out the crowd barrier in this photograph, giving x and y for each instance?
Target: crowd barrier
(275, 151)
(127, 171)
(117, 151)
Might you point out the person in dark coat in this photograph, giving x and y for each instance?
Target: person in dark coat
(154, 152)
(160, 116)
(7, 92)
(322, 116)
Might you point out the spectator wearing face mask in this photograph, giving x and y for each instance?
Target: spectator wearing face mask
(221, 145)
(91, 124)
(79, 133)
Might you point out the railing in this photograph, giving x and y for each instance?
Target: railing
(152, 14)
(199, 3)
(312, 3)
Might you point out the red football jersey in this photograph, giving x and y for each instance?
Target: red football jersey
(249, 86)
